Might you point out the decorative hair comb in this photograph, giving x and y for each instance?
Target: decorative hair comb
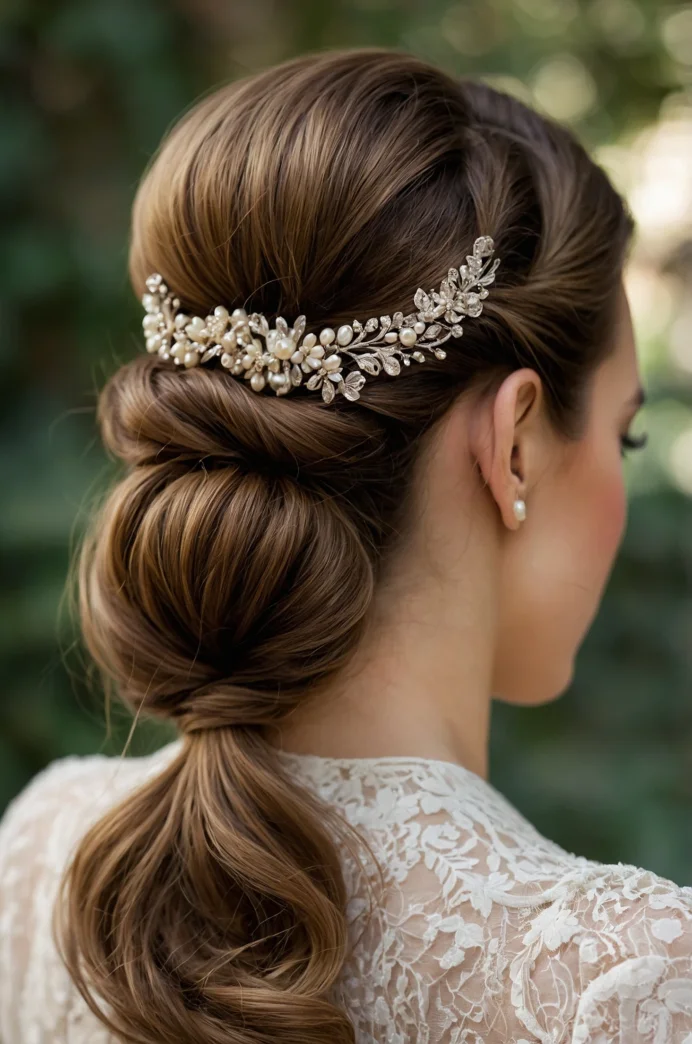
(280, 357)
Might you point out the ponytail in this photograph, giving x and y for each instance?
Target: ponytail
(208, 906)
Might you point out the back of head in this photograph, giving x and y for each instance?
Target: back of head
(233, 567)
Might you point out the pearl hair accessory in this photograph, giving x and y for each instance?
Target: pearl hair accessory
(280, 357)
(519, 507)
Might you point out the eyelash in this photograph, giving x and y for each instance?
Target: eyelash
(632, 442)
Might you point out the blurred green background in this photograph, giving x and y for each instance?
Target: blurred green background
(88, 88)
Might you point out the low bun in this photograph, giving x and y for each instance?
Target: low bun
(221, 585)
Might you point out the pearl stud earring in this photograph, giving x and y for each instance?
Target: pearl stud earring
(519, 507)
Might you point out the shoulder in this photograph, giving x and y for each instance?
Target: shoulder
(615, 942)
(63, 798)
(562, 948)
(38, 833)
(40, 825)
(501, 929)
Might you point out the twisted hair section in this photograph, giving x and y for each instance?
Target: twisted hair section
(233, 569)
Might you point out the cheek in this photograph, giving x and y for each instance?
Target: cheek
(579, 528)
(592, 516)
(604, 512)
(557, 569)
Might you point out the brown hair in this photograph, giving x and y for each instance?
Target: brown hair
(232, 569)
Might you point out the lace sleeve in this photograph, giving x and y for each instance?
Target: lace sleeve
(30, 856)
(38, 1004)
(645, 1000)
(600, 955)
(609, 959)
(641, 935)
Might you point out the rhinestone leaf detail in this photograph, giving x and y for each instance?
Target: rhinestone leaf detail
(282, 357)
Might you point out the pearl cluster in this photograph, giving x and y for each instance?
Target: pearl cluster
(282, 357)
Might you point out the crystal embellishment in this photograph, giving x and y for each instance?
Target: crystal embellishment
(281, 357)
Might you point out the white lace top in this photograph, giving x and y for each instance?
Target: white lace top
(486, 933)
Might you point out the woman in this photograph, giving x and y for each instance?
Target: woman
(332, 545)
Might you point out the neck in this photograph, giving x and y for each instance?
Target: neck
(418, 685)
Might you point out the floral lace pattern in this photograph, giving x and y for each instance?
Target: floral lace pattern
(480, 931)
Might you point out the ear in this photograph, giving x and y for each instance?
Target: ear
(506, 439)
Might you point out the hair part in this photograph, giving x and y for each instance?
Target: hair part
(233, 568)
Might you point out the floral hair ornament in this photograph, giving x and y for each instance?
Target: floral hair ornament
(281, 358)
